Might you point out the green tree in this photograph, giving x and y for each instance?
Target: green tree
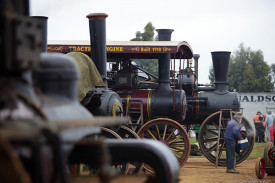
(211, 76)
(148, 35)
(138, 36)
(248, 72)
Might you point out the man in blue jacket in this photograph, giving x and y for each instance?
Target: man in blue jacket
(232, 134)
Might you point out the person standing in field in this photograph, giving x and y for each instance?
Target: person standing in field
(258, 126)
(269, 122)
(232, 134)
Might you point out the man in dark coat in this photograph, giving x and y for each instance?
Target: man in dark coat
(257, 119)
(232, 134)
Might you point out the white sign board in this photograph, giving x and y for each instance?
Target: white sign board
(254, 102)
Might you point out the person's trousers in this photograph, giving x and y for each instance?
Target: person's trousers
(230, 153)
(259, 132)
(268, 133)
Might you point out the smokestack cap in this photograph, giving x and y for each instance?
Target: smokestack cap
(220, 65)
(93, 16)
(196, 56)
(164, 34)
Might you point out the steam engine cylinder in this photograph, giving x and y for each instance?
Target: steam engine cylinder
(217, 102)
(166, 104)
(158, 104)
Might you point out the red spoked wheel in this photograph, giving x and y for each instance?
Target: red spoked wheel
(169, 132)
(267, 159)
(260, 168)
(271, 153)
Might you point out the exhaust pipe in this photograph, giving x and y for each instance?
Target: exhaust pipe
(97, 25)
(196, 58)
(220, 65)
(164, 61)
(44, 38)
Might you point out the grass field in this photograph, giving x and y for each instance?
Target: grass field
(258, 150)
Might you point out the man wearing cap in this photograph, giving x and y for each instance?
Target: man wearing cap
(232, 134)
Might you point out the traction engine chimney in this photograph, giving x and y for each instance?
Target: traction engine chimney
(220, 65)
(44, 31)
(97, 25)
(164, 61)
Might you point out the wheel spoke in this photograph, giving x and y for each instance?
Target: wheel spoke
(179, 142)
(170, 134)
(180, 145)
(214, 147)
(210, 140)
(151, 134)
(158, 131)
(211, 132)
(214, 124)
(164, 133)
(176, 149)
(177, 153)
(174, 140)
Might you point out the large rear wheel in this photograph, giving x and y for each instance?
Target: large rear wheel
(214, 149)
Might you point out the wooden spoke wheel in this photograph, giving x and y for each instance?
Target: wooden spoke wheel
(127, 133)
(209, 133)
(107, 133)
(84, 169)
(260, 168)
(169, 132)
(268, 161)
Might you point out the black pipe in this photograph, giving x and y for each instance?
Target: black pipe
(164, 61)
(44, 28)
(97, 24)
(196, 58)
(220, 65)
(206, 88)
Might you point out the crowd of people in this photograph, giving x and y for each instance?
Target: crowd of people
(264, 126)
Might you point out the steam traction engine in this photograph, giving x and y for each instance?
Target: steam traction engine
(156, 110)
(212, 107)
(160, 107)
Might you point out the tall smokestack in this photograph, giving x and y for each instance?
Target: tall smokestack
(220, 65)
(164, 61)
(44, 32)
(97, 24)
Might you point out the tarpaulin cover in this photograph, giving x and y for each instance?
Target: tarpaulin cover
(90, 76)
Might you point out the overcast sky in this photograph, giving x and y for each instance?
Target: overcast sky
(207, 25)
